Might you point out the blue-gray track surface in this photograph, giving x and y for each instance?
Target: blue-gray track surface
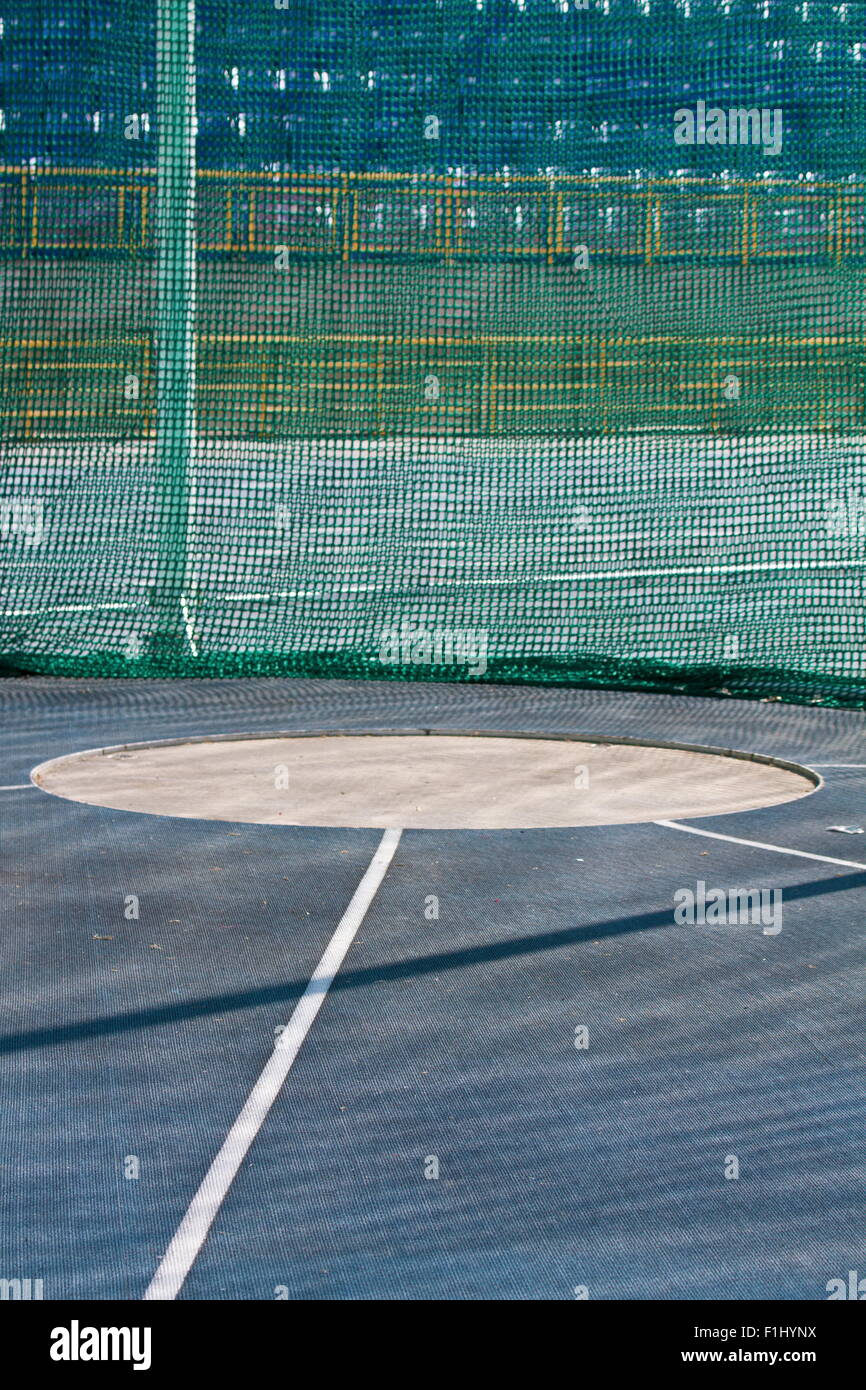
(560, 1167)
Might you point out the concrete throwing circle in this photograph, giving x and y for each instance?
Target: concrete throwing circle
(422, 781)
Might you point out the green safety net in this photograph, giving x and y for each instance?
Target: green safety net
(511, 340)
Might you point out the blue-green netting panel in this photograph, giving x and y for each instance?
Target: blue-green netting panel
(518, 340)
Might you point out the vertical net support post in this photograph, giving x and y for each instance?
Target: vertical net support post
(175, 593)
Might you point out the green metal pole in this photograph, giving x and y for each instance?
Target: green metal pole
(175, 325)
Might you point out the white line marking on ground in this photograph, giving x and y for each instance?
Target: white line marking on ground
(19, 787)
(863, 765)
(192, 1232)
(68, 608)
(575, 577)
(759, 844)
(188, 624)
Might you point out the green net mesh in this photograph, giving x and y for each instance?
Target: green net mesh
(463, 339)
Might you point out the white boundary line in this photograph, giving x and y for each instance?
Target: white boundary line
(575, 577)
(192, 1232)
(19, 787)
(186, 609)
(758, 844)
(67, 608)
(863, 765)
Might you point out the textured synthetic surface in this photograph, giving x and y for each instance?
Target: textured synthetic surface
(419, 781)
(451, 1036)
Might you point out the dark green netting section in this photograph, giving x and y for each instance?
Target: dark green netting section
(512, 340)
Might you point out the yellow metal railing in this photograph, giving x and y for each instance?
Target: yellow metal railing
(352, 214)
(256, 385)
(67, 385)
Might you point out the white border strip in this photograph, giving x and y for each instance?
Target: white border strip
(192, 1232)
(758, 844)
(19, 787)
(575, 577)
